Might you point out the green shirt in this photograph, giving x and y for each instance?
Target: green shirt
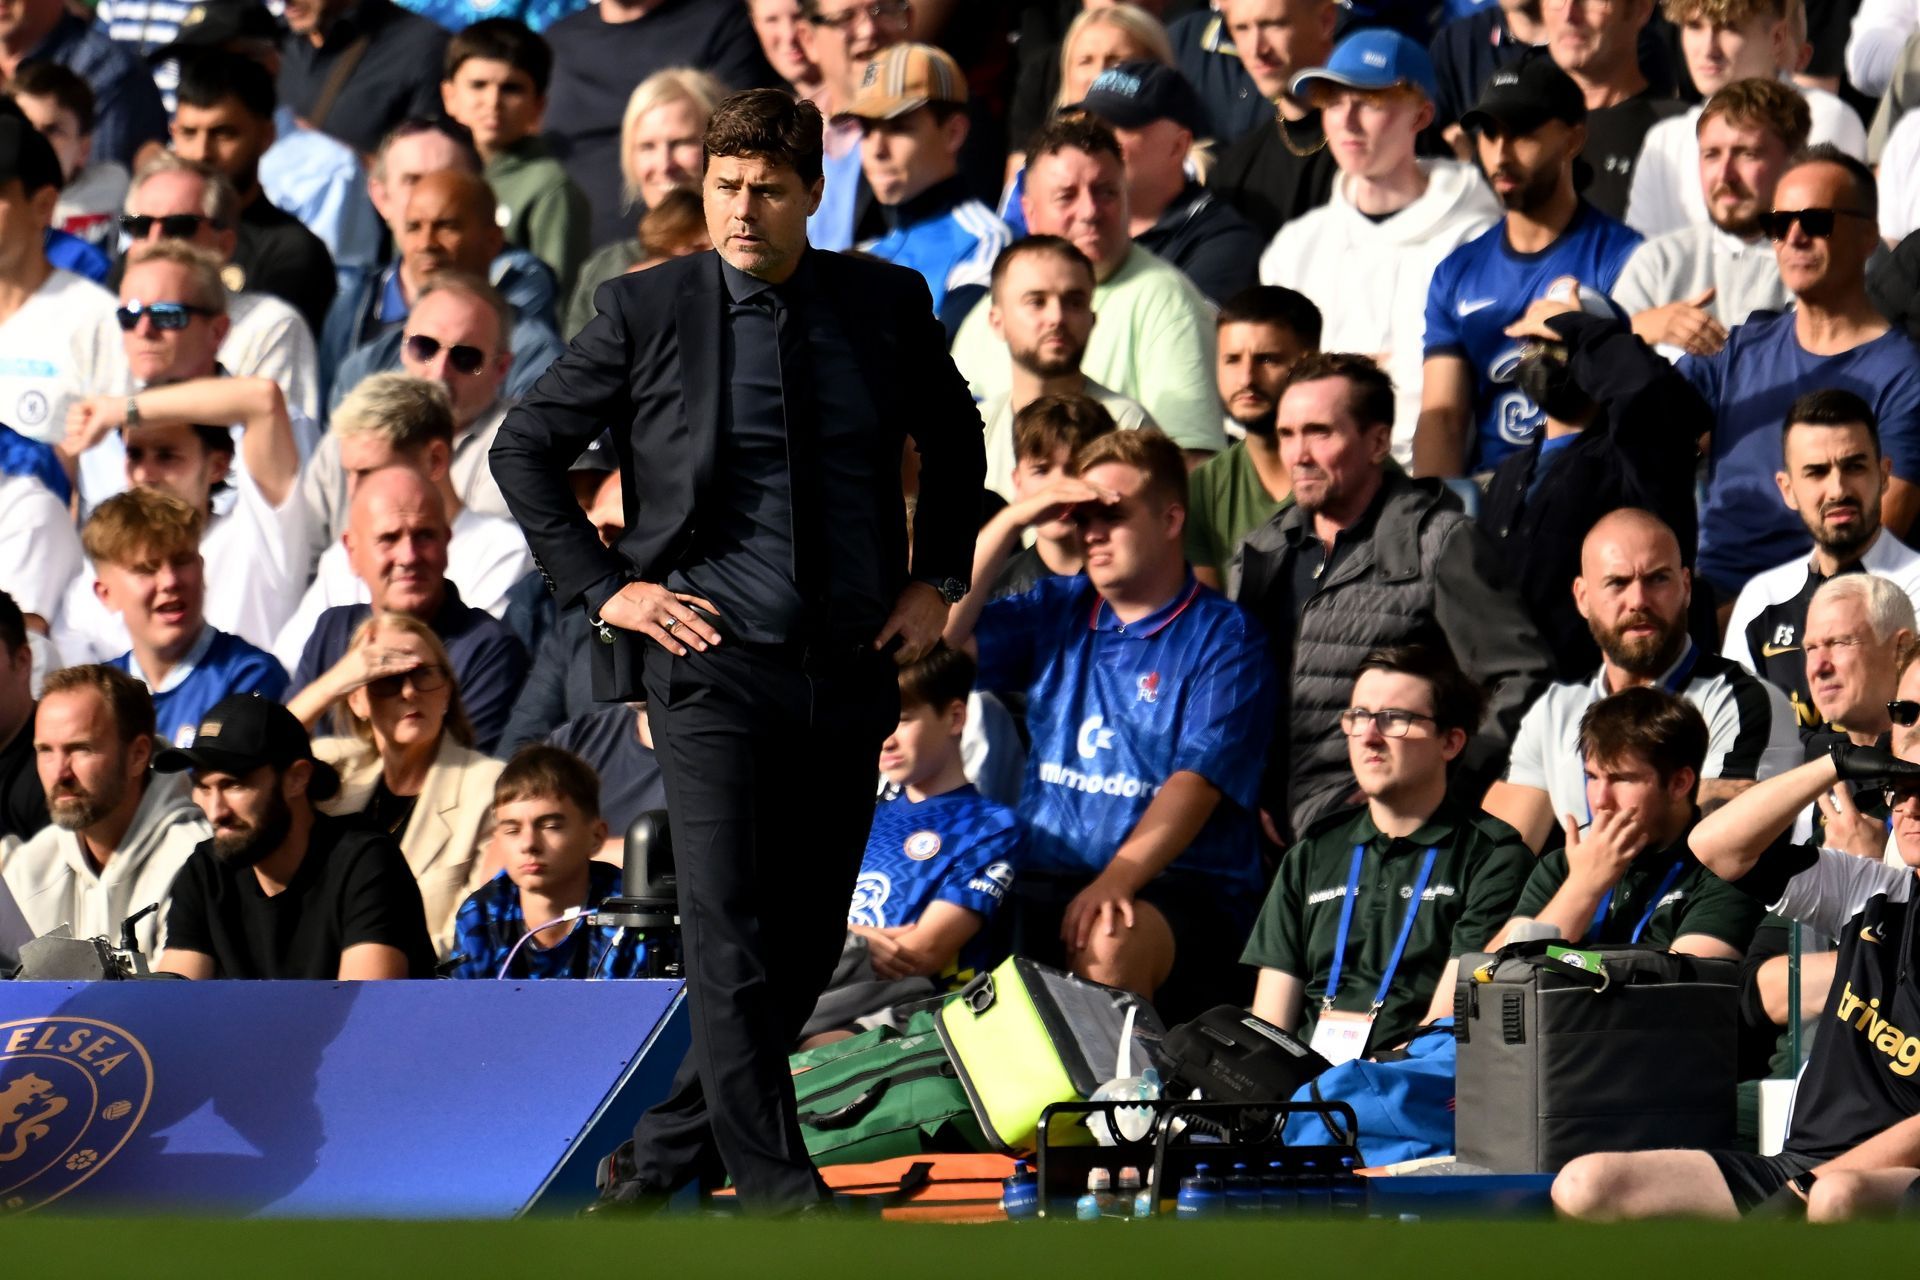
(1697, 901)
(1225, 502)
(609, 262)
(542, 211)
(1479, 868)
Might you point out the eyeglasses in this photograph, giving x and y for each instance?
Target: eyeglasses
(1894, 795)
(1903, 712)
(165, 315)
(883, 12)
(174, 226)
(1817, 223)
(1393, 722)
(423, 679)
(462, 359)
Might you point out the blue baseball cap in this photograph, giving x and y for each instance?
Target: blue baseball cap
(1372, 59)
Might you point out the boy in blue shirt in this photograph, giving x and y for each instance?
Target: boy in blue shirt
(145, 548)
(547, 827)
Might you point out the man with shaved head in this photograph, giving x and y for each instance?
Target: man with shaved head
(396, 540)
(1634, 593)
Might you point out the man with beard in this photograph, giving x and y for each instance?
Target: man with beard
(1686, 288)
(1041, 293)
(280, 890)
(119, 834)
(1834, 478)
(1364, 558)
(1529, 126)
(1597, 45)
(1262, 333)
(1634, 592)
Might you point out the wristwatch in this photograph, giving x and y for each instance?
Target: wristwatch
(952, 590)
(133, 410)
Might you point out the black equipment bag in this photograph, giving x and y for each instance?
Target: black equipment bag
(1569, 1050)
(1230, 1055)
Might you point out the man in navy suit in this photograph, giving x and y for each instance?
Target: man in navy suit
(758, 601)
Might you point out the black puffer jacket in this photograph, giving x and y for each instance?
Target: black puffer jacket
(1422, 572)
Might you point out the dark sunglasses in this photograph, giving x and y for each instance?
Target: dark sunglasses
(1903, 712)
(1817, 223)
(881, 11)
(174, 226)
(423, 679)
(463, 359)
(165, 315)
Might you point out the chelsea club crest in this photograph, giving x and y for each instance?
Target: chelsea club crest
(72, 1091)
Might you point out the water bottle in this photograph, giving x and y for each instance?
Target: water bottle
(1200, 1196)
(1276, 1190)
(1094, 1205)
(1127, 1194)
(1243, 1191)
(1349, 1190)
(1020, 1193)
(1315, 1190)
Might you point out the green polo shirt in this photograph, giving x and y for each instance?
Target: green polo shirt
(1478, 871)
(1225, 502)
(1697, 902)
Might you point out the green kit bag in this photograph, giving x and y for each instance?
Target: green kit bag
(882, 1094)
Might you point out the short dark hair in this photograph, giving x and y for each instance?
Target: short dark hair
(209, 77)
(1073, 131)
(1458, 703)
(51, 80)
(1832, 407)
(938, 680)
(1865, 190)
(413, 126)
(1370, 398)
(1664, 730)
(503, 40)
(126, 698)
(769, 125)
(542, 772)
(1054, 422)
(1272, 304)
(1148, 451)
(1058, 246)
(13, 625)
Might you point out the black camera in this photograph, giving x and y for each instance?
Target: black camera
(649, 901)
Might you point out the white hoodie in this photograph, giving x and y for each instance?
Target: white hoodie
(1370, 279)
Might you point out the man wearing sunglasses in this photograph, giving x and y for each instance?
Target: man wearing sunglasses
(1823, 230)
(1363, 927)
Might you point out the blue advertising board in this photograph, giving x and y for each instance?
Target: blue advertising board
(334, 1099)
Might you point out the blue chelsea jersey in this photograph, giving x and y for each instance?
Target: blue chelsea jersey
(959, 847)
(1484, 286)
(1115, 709)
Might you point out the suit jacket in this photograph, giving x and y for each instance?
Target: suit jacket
(647, 370)
(443, 842)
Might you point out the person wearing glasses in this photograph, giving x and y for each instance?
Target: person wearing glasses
(843, 38)
(408, 767)
(1824, 228)
(1361, 934)
(173, 317)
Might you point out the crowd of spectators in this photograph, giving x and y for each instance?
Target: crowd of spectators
(1446, 465)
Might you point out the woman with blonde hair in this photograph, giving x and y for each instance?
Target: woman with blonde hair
(410, 768)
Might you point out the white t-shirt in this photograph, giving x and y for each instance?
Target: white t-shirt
(1899, 184)
(1666, 191)
(39, 550)
(268, 339)
(485, 557)
(62, 345)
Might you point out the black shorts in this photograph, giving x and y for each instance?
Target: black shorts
(1755, 1179)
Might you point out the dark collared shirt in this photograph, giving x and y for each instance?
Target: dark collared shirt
(743, 553)
(397, 76)
(281, 257)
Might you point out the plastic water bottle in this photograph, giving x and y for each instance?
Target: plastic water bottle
(1276, 1190)
(1200, 1196)
(1316, 1190)
(1098, 1200)
(1349, 1190)
(1243, 1191)
(1020, 1193)
(1127, 1194)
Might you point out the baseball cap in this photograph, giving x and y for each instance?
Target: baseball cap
(904, 78)
(1372, 59)
(208, 26)
(25, 155)
(1521, 98)
(244, 731)
(1134, 94)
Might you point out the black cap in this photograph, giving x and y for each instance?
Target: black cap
(243, 732)
(1521, 98)
(1132, 95)
(208, 26)
(27, 156)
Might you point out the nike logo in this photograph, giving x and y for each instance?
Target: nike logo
(1871, 934)
(1479, 304)
(1775, 650)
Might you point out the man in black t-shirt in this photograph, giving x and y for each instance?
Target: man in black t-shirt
(1278, 173)
(280, 891)
(23, 801)
(1599, 49)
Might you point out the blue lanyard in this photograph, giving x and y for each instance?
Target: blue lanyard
(1675, 684)
(1600, 913)
(1346, 925)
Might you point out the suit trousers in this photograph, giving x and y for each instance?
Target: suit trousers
(770, 764)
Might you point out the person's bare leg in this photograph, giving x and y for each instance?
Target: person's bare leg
(1847, 1194)
(1136, 959)
(1613, 1186)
